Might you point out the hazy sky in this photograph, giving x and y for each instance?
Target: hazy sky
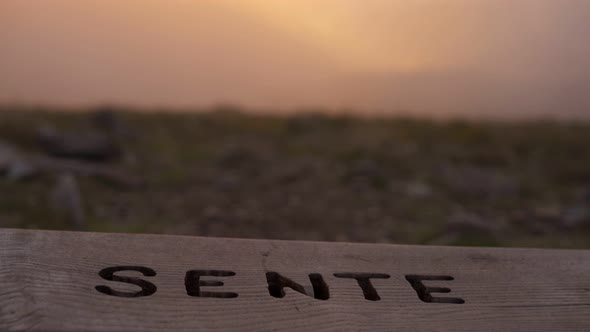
(472, 57)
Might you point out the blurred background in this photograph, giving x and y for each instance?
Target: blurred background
(447, 122)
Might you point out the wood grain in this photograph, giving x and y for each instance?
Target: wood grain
(48, 280)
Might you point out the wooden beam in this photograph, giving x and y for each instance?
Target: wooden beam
(67, 281)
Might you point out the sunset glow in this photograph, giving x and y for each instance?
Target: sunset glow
(376, 55)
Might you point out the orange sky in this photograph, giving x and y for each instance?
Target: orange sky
(473, 57)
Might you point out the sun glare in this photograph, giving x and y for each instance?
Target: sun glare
(350, 35)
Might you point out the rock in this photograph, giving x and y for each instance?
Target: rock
(238, 157)
(364, 167)
(228, 181)
(465, 228)
(21, 169)
(8, 154)
(418, 189)
(16, 166)
(13, 164)
(67, 199)
(462, 221)
(405, 149)
(575, 216)
(538, 219)
(547, 212)
(292, 171)
(582, 193)
(109, 174)
(476, 181)
(365, 172)
(93, 146)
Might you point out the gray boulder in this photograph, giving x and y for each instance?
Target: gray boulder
(93, 146)
(575, 216)
(13, 164)
(480, 182)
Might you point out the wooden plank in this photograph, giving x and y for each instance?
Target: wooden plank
(49, 281)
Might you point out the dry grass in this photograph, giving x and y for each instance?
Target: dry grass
(315, 177)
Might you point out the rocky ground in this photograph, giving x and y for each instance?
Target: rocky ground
(305, 177)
